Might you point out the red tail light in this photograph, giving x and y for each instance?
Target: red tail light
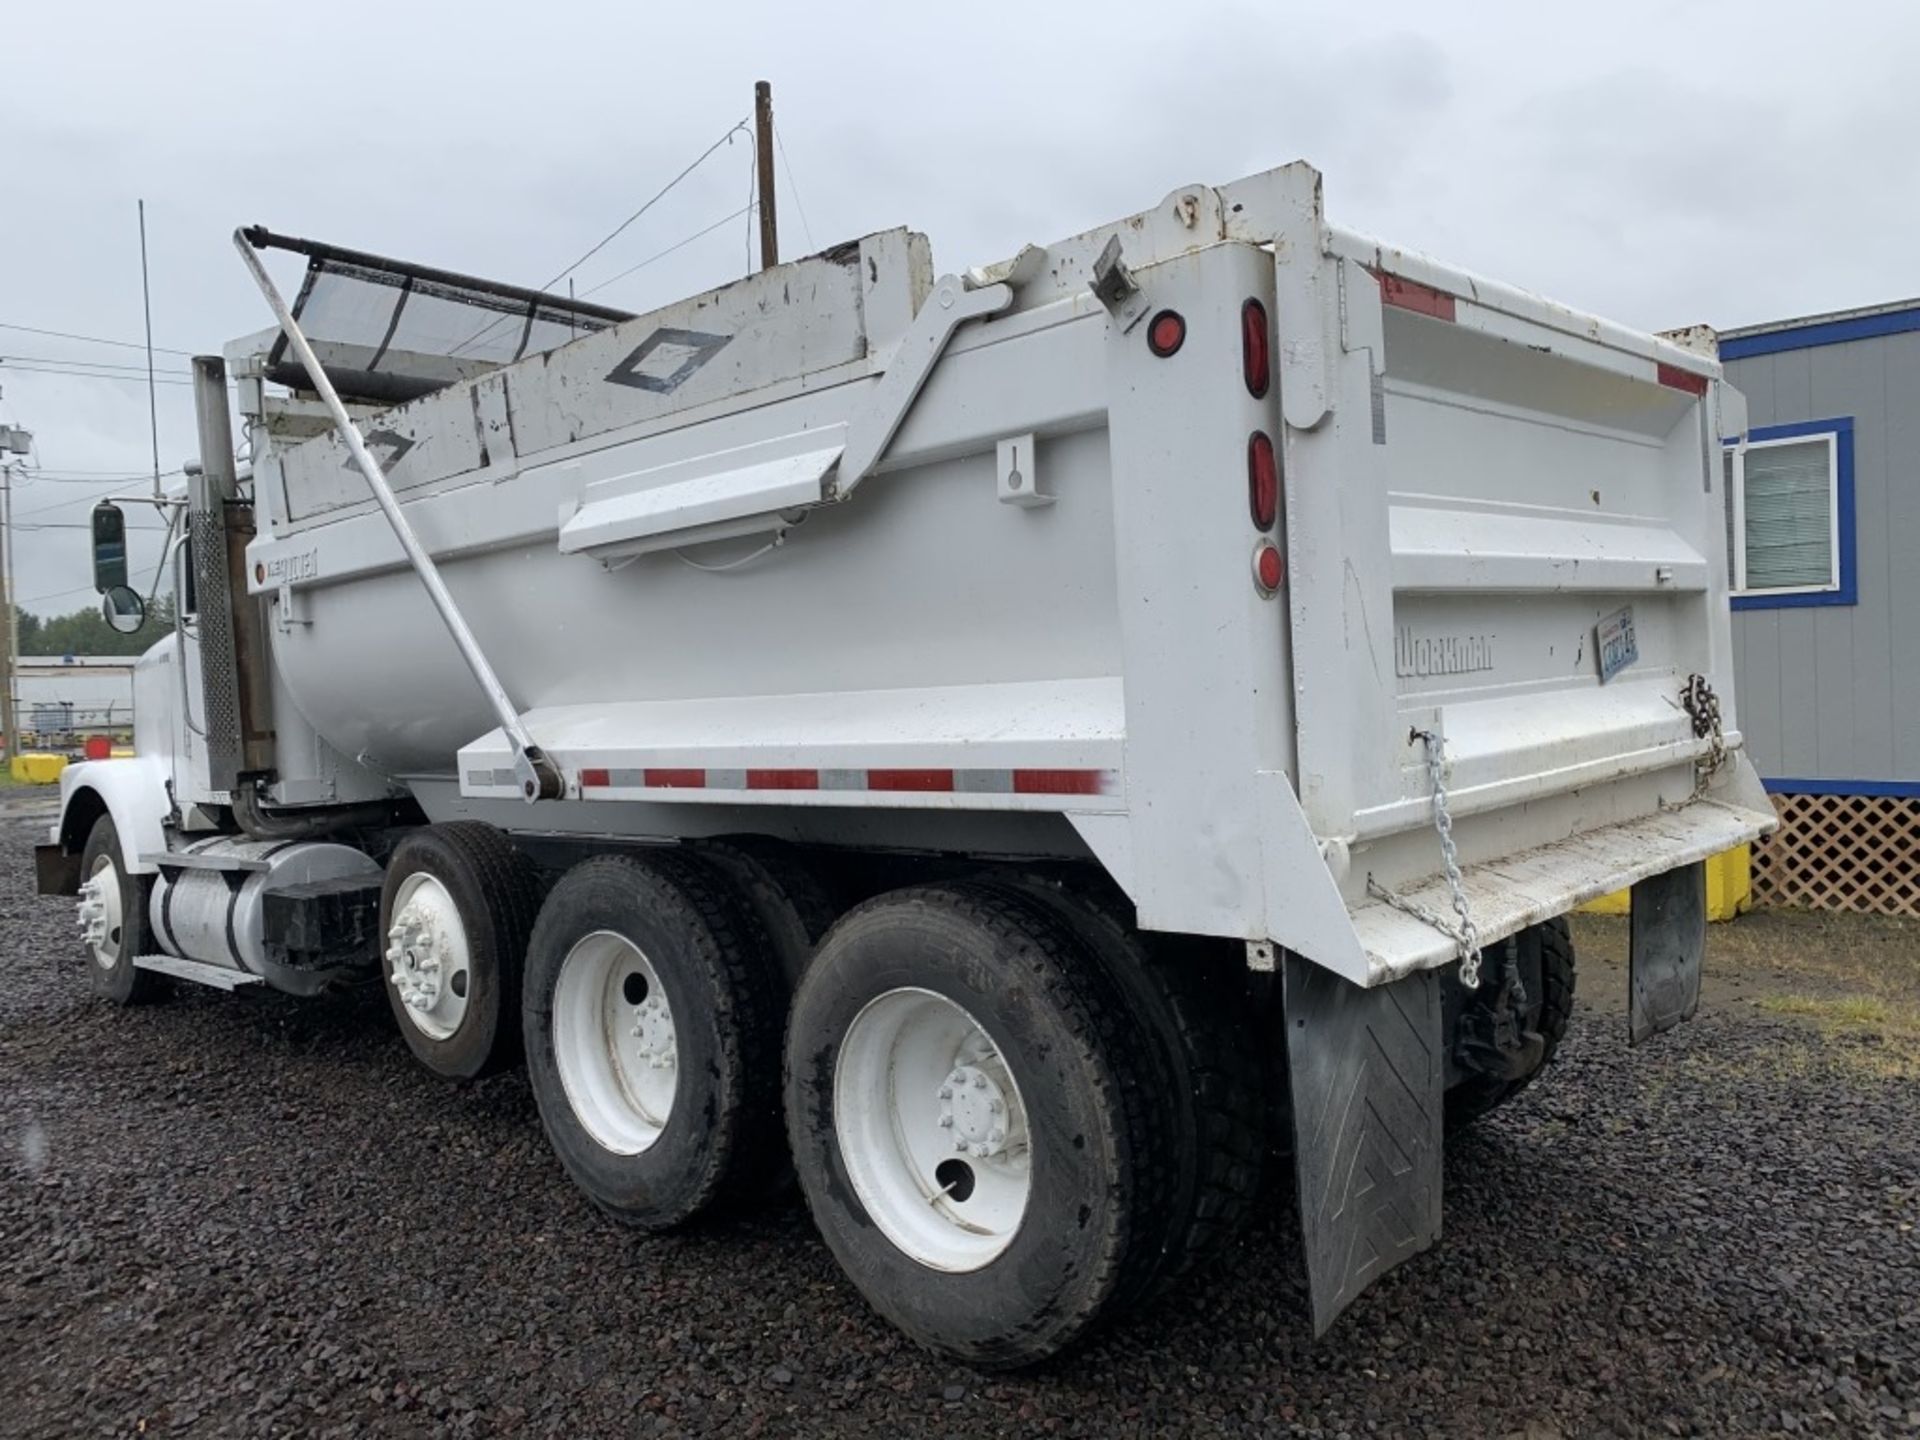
(1263, 481)
(1253, 349)
(1269, 570)
(98, 747)
(1166, 333)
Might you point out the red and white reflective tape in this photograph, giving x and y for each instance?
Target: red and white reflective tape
(911, 781)
(1404, 294)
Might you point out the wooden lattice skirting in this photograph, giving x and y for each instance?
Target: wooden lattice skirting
(1842, 852)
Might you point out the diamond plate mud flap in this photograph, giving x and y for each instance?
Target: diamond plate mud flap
(1667, 936)
(1365, 1070)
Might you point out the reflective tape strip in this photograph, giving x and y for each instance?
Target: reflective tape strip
(894, 780)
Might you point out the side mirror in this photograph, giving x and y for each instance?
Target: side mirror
(109, 550)
(123, 609)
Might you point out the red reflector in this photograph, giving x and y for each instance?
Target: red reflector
(1268, 569)
(783, 779)
(1676, 378)
(1263, 481)
(1411, 295)
(1056, 782)
(99, 747)
(1166, 333)
(676, 779)
(910, 779)
(1253, 349)
(594, 777)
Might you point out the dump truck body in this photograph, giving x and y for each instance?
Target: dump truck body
(1339, 607)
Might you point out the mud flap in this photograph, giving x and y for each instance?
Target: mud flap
(1365, 1069)
(1667, 936)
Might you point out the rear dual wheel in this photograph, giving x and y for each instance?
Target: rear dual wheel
(981, 1106)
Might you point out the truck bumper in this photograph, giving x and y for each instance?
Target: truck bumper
(1507, 895)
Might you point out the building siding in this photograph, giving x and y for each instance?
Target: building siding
(1832, 693)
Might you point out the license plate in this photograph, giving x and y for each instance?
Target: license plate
(1614, 640)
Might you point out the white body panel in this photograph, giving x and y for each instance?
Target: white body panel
(1473, 480)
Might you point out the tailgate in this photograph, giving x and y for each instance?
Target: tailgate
(1531, 566)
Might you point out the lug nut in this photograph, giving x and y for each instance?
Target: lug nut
(946, 1122)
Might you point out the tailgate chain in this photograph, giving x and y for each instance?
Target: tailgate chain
(1703, 708)
(1466, 934)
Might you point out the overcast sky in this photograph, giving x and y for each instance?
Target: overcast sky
(1669, 163)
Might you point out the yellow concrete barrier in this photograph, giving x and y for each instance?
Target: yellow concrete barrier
(1729, 888)
(31, 767)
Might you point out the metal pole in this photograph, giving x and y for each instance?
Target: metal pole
(146, 303)
(7, 641)
(539, 778)
(763, 158)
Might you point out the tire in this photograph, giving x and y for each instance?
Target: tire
(458, 901)
(1201, 1061)
(789, 901)
(1546, 969)
(985, 980)
(122, 918)
(654, 1149)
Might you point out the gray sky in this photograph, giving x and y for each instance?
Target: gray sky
(1659, 163)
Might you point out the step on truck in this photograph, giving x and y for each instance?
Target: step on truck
(1024, 748)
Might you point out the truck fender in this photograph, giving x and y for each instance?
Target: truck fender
(133, 791)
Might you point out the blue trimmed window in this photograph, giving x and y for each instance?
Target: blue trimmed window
(1790, 535)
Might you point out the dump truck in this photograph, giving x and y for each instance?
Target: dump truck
(1028, 750)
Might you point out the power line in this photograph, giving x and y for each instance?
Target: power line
(87, 375)
(660, 195)
(99, 493)
(780, 144)
(89, 364)
(92, 339)
(74, 472)
(677, 245)
(606, 239)
(81, 525)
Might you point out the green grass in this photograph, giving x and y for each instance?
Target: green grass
(1876, 1034)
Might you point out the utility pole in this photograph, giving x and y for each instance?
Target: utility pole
(763, 158)
(13, 441)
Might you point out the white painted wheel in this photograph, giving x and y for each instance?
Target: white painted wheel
(100, 918)
(429, 959)
(614, 1042)
(932, 1130)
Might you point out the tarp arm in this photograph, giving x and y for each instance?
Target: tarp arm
(539, 777)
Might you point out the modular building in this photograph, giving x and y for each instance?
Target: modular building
(1823, 520)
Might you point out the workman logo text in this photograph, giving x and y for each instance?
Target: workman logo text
(666, 360)
(1417, 657)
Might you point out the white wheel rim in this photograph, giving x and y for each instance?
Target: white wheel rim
(100, 918)
(429, 962)
(932, 1130)
(615, 1042)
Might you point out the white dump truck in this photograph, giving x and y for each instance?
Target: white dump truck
(1020, 746)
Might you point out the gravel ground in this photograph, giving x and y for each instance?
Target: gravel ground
(224, 1216)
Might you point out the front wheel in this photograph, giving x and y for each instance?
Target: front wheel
(113, 920)
(959, 1122)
